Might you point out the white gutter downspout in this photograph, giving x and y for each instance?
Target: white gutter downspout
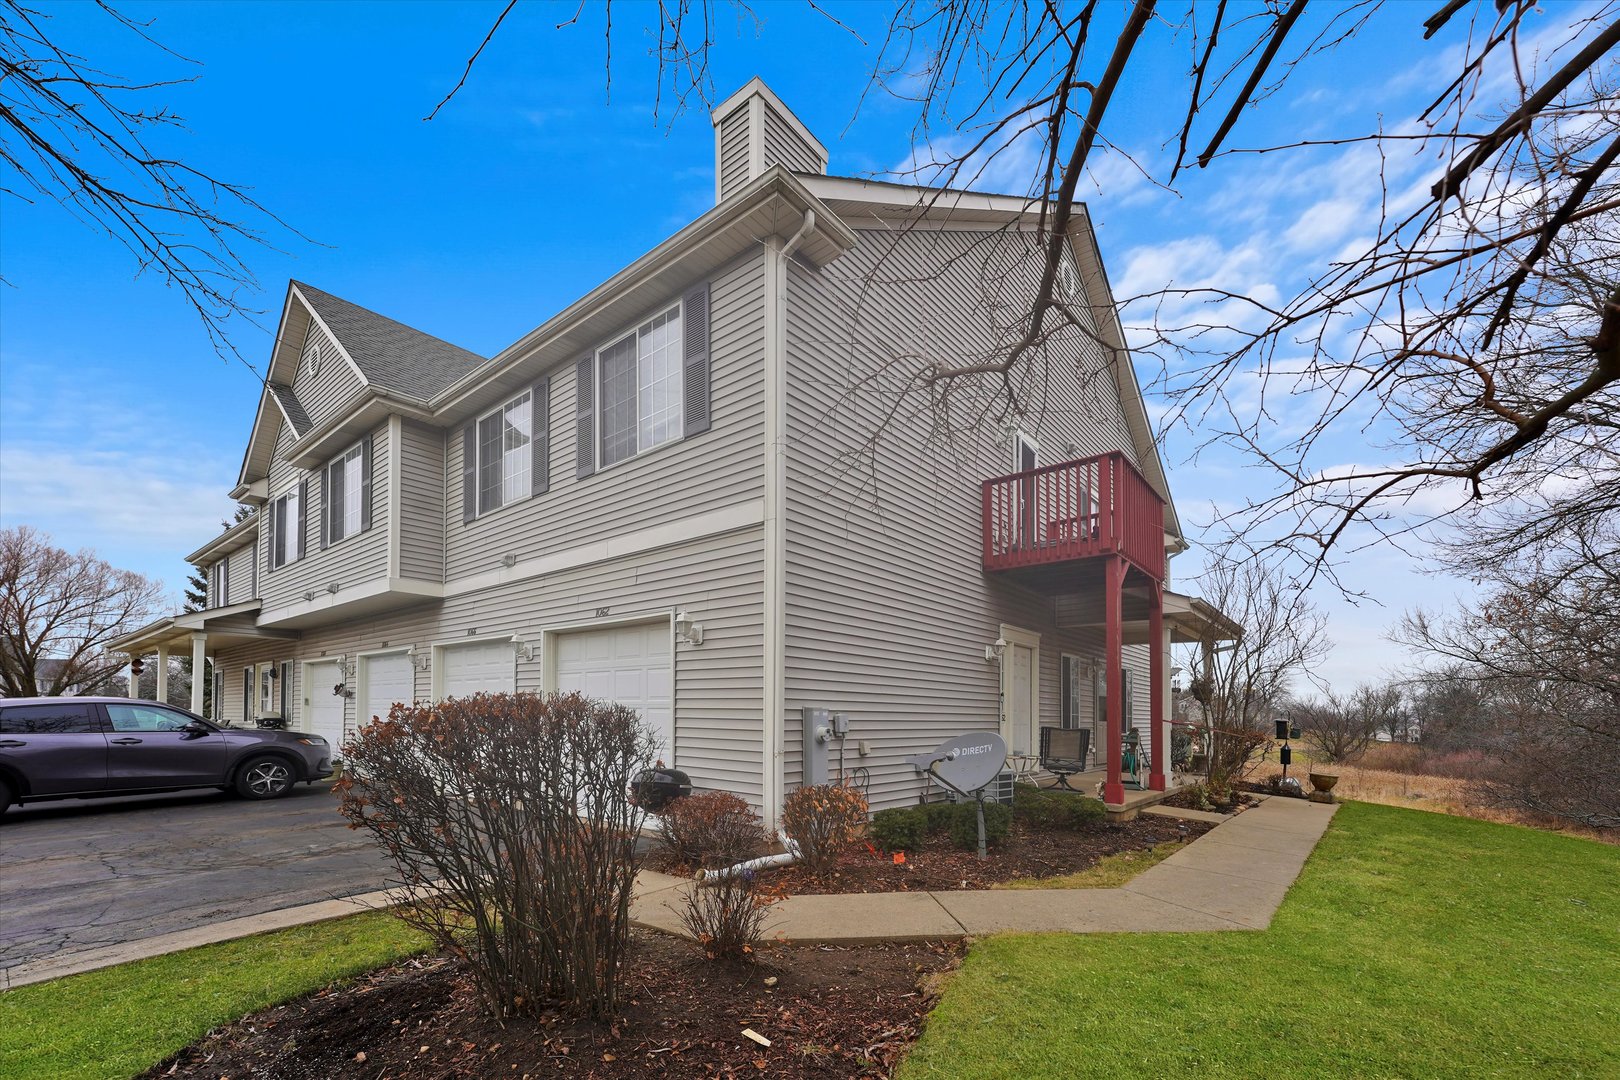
(775, 540)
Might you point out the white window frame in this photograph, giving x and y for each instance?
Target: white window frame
(216, 584)
(678, 378)
(353, 495)
(1074, 691)
(526, 473)
(280, 552)
(263, 692)
(1021, 439)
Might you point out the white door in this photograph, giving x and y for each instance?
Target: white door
(323, 710)
(1020, 734)
(489, 667)
(388, 680)
(626, 665)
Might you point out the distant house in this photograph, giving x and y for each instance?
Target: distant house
(648, 497)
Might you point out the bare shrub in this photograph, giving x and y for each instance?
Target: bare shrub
(823, 820)
(509, 821)
(725, 915)
(710, 829)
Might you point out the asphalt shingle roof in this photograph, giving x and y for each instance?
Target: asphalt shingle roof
(291, 406)
(389, 353)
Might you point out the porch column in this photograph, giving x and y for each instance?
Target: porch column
(135, 666)
(1114, 634)
(199, 670)
(1156, 739)
(163, 674)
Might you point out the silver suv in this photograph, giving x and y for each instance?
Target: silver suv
(84, 747)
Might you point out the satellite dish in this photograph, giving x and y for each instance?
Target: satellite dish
(965, 762)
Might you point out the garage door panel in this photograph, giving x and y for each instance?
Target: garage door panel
(485, 667)
(627, 665)
(389, 680)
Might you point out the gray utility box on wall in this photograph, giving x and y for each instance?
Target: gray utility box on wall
(821, 727)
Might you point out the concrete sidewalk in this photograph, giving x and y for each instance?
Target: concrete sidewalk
(1232, 878)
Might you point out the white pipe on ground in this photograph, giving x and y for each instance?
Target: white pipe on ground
(764, 862)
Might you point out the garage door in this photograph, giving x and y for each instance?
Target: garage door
(487, 667)
(387, 679)
(627, 665)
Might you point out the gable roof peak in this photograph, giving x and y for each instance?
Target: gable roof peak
(388, 353)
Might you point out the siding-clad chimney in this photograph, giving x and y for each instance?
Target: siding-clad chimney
(753, 130)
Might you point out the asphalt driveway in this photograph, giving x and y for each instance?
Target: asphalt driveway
(79, 875)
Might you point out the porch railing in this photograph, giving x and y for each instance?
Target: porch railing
(1073, 510)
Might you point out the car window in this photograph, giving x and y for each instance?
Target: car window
(64, 718)
(145, 718)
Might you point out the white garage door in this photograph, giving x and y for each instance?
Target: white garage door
(388, 680)
(489, 667)
(627, 665)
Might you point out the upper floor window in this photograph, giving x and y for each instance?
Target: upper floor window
(505, 456)
(287, 528)
(347, 483)
(216, 584)
(640, 400)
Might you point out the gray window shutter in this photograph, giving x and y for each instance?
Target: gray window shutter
(365, 484)
(540, 414)
(695, 396)
(303, 516)
(585, 416)
(330, 495)
(224, 581)
(253, 561)
(286, 690)
(469, 472)
(272, 512)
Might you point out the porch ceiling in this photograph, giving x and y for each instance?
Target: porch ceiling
(1188, 618)
(226, 626)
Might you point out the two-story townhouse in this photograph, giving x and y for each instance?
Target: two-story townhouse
(703, 490)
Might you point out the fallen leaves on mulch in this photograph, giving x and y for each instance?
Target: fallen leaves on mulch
(827, 1012)
(938, 865)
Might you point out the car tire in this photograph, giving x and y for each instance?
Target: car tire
(7, 796)
(264, 777)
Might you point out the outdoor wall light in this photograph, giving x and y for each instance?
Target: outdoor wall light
(509, 560)
(992, 652)
(309, 594)
(523, 647)
(422, 662)
(333, 587)
(686, 630)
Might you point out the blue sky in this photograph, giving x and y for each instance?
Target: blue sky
(121, 430)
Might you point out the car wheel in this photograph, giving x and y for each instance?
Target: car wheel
(264, 777)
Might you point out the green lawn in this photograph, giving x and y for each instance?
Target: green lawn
(1413, 945)
(121, 1020)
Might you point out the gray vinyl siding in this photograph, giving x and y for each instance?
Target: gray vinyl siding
(733, 143)
(784, 146)
(887, 608)
(352, 561)
(718, 685)
(325, 392)
(239, 576)
(422, 486)
(679, 479)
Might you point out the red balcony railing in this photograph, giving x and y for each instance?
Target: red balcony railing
(1074, 510)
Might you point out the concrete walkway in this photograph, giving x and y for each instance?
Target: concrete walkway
(1233, 877)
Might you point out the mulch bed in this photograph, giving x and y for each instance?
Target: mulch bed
(1187, 799)
(940, 865)
(831, 1012)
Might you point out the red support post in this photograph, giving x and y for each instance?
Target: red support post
(1113, 656)
(1156, 682)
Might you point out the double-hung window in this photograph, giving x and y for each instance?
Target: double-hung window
(216, 584)
(640, 388)
(505, 453)
(345, 494)
(287, 528)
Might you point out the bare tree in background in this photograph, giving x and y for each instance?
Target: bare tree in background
(1336, 732)
(1243, 685)
(57, 612)
(1542, 651)
(1475, 337)
(93, 142)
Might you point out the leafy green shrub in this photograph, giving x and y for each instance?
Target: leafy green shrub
(1043, 808)
(965, 824)
(823, 820)
(938, 815)
(901, 828)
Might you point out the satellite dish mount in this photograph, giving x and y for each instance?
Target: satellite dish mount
(966, 765)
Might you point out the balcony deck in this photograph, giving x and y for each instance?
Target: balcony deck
(1073, 511)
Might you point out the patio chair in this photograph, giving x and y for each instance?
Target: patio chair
(1064, 751)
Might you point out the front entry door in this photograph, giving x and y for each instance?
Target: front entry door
(1020, 715)
(323, 710)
